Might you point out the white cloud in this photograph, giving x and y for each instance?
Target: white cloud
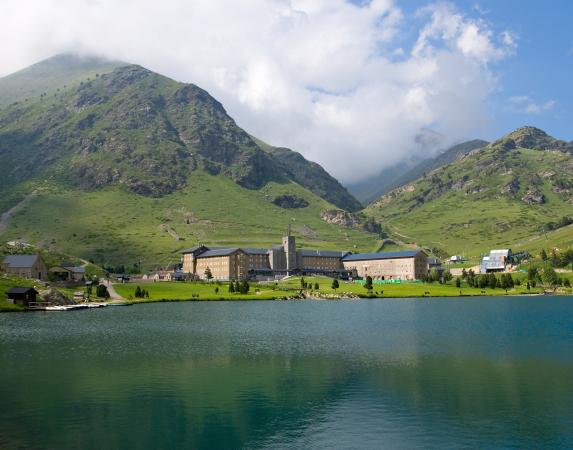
(526, 105)
(325, 77)
(473, 38)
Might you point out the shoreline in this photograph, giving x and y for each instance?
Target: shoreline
(307, 296)
(342, 297)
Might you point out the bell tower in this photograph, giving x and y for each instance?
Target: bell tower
(289, 246)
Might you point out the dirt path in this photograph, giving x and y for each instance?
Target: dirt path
(6, 216)
(112, 292)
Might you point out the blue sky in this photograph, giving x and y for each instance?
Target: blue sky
(541, 67)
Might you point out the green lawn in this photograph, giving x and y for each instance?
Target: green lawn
(205, 291)
(291, 288)
(404, 289)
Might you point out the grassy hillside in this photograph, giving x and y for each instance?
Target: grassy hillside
(113, 225)
(132, 166)
(500, 196)
(370, 189)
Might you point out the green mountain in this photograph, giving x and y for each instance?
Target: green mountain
(509, 193)
(370, 189)
(52, 75)
(125, 164)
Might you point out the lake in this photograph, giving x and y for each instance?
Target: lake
(492, 373)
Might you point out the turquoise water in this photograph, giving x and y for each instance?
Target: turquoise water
(432, 373)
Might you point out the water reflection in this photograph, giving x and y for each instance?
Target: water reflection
(290, 375)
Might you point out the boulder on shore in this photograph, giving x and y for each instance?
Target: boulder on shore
(55, 297)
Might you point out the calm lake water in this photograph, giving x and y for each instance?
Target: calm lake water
(440, 373)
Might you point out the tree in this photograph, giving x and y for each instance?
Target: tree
(335, 284)
(568, 257)
(434, 274)
(549, 277)
(302, 283)
(464, 273)
(244, 287)
(567, 283)
(138, 293)
(471, 278)
(458, 282)
(368, 284)
(316, 287)
(543, 255)
(101, 291)
(447, 275)
(217, 290)
(492, 281)
(555, 258)
(232, 287)
(208, 274)
(532, 272)
(503, 282)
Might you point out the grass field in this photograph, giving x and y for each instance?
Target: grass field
(290, 288)
(114, 226)
(204, 291)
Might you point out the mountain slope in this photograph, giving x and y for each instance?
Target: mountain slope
(369, 190)
(144, 131)
(312, 176)
(167, 154)
(503, 194)
(49, 76)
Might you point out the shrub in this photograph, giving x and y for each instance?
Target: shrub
(101, 291)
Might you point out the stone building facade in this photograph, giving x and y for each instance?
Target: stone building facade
(282, 260)
(247, 263)
(405, 265)
(25, 266)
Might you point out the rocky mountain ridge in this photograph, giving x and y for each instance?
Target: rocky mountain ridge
(134, 128)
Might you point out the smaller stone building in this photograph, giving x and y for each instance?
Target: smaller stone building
(68, 273)
(404, 265)
(22, 296)
(25, 266)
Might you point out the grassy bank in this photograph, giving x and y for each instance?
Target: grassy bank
(174, 291)
(180, 291)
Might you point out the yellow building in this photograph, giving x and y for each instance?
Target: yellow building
(405, 265)
(245, 263)
(224, 264)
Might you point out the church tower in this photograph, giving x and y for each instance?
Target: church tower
(289, 246)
